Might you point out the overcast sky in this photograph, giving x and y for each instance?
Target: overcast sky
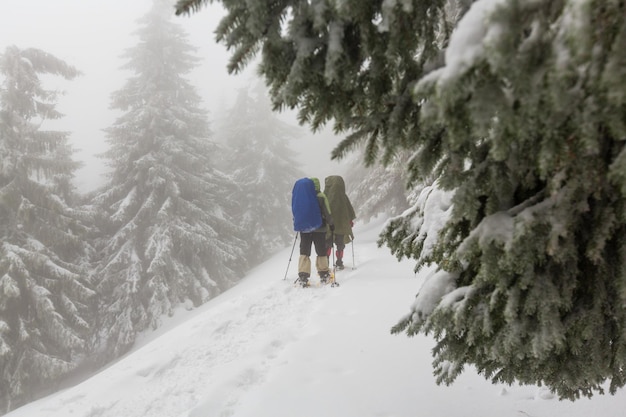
(92, 35)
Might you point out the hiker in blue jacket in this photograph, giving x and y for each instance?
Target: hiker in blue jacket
(316, 237)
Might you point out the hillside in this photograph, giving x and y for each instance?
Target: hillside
(269, 349)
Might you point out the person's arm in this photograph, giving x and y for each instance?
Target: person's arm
(328, 218)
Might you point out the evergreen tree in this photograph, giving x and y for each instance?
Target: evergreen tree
(264, 168)
(44, 296)
(518, 107)
(379, 190)
(169, 236)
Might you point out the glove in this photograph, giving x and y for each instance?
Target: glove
(332, 227)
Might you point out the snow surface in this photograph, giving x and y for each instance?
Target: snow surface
(268, 349)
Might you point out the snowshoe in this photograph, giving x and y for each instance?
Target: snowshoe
(302, 281)
(339, 264)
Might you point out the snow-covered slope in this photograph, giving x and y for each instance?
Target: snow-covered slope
(268, 349)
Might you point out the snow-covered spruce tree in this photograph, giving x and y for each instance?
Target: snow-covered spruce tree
(44, 295)
(379, 190)
(263, 166)
(169, 238)
(519, 109)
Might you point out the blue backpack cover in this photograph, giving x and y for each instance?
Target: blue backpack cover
(307, 215)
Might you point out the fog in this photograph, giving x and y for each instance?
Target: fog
(92, 36)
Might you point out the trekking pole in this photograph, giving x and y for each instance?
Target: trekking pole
(352, 244)
(333, 278)
(290, 255)
(332, 251)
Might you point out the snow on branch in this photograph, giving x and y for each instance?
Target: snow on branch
(436, 288)
(468, 44)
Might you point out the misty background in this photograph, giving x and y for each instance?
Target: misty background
(92, 36)
(155, 226)
(505, 168)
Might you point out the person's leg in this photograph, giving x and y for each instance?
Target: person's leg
(339, 251)
(321, 263)
(304, 267)
(306, 239)
(304, 263)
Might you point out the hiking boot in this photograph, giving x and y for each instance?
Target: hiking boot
(339, 264)
(303, 279)
(324, 277)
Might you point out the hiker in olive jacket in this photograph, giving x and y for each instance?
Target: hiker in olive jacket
(318, 238)
(343, 217)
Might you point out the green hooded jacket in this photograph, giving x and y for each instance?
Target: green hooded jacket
(340, 206)
(327, 218)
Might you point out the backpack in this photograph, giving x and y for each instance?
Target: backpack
(305, 208)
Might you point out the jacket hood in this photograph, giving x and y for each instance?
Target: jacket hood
(334, 184)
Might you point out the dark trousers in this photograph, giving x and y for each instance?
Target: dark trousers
(338, 242)
(318, 239)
